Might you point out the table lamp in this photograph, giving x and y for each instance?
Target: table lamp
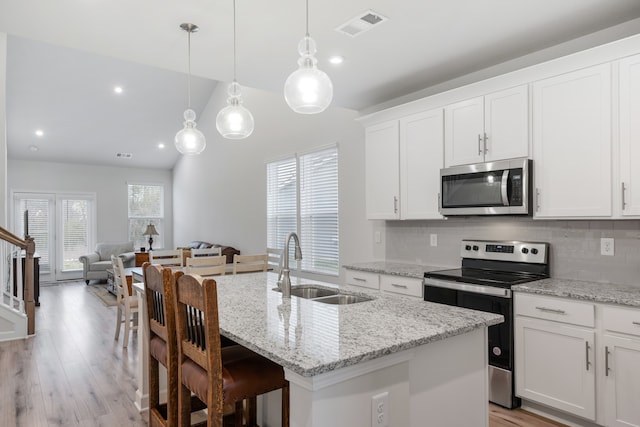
(150, 231)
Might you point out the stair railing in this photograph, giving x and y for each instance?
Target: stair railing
(14, 249)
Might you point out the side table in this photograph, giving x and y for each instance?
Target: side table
(141, 258)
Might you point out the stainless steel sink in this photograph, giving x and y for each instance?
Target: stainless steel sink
(311, 292)
(325, 295)
(342, 299)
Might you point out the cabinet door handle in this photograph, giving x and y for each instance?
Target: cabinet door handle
(587, 348)
(395, 285)
(395, 204)
(624, 202)
(486, 150)
(479, 145)
(358, 279)
(551, 310)
(635, 323)
(606, 361)
(537, 200)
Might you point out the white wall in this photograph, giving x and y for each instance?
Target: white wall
(108, 182)
(3, 129)
(220, 196)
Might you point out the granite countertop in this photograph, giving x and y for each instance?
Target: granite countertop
(587, 291)
(394, 268)
(311, 338)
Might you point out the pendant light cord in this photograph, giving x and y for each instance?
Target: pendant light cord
(307, 18)
(234, 40)
(189, 77)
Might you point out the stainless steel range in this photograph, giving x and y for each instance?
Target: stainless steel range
(489, 269)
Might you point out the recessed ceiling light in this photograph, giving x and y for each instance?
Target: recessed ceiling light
(118, 89)
(160, 145)
(336, 60)
(33, 148)
(39, 132)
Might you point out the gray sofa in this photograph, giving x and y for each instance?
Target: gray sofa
(95, 265)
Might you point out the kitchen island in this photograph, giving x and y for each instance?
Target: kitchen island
(425, 363)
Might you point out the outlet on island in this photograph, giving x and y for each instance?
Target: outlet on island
(380, 410)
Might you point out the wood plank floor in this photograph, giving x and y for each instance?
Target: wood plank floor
(73, 373)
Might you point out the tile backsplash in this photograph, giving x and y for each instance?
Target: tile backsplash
(575, 245)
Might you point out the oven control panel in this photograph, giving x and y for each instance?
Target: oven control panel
(532, 252)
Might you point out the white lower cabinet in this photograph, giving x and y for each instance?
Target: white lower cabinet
(564, 347)
(555, 359)
(621, 354)
(362, 278)
(392, 283)
(401, 285)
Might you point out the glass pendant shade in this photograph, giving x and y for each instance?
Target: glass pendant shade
(234, 121)
(189, 140)
(308, 90)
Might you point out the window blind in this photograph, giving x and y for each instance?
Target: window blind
(281, 201)
(75, 230)
(302, 196)
(319, 211)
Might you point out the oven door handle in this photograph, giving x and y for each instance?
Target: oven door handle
(467, 287)
(503, 187)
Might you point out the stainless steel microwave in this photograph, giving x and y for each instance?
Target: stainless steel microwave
(494, 188)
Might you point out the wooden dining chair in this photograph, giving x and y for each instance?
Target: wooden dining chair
(163, 345)
(249, 263)
(217, 375)
(207, 265)
(127, 312)
(167, 257)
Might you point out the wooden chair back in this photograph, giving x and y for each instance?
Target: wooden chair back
(168, 257)
(119, 279)
(207, 265)
(206, 252)
(161, 325)
(198, 330)
(249, 263)
(158, 285)
(274, 259)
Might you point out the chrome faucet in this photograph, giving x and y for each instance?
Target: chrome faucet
(284, 281)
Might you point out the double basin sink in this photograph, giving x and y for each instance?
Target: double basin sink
(325, 295)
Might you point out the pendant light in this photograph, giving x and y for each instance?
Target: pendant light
(190, 140)
(234, 121)
(308, 90)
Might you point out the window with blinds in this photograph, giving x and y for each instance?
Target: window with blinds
(146, 206)
(75, 233)
(302, 196)
(39, 226)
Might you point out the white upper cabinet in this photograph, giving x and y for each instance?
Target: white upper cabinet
(487, 128)
(403, 162)
(382, 171)
(572, 144)
(421, 158)
(629, 202)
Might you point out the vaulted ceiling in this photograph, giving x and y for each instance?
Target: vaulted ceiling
(65, 57)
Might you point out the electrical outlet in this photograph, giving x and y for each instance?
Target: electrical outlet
(380, 410)
(377, 237)
(607, 246)
(434, 239)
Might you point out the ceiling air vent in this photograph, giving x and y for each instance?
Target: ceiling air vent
(361, 23)
(124, 155)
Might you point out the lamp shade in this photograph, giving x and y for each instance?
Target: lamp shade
(189, 140)
(308, 90)
(150, 231)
